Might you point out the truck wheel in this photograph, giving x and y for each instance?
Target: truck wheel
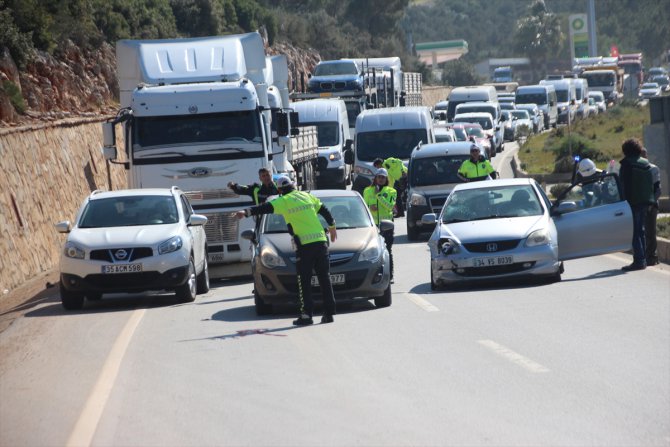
(186, 292)
(386, 299)
(71, 300)
(202, 283)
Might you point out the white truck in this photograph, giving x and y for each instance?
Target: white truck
(196, 114)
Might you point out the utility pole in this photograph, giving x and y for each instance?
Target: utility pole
(593, 44)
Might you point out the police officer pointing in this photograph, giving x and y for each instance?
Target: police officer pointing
(259, 192)
(300, 209)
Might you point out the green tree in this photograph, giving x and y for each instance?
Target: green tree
(538, 35)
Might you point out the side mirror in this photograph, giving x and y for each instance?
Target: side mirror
(196, 220)
(565, 207)
(63, 227)
(108, 141)
(109, 152)
(283, 141)
(443, 116)
(295, 119)
(386, 225)
(295, 131)
(429, 219)
(349, 156)
(249, 235)
(282, 124)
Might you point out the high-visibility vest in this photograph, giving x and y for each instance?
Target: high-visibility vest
(384, 199)
(299, 209)
(395, 168)
(469, 169)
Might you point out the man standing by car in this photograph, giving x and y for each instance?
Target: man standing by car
(476, 167)
(397, 175)
(300, 209)
(380, 198)
(652, 215)
(637, 179)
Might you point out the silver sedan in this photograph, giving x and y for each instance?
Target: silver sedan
(503, 229)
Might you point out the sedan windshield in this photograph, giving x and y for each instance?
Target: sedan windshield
(491, 203)
(129, 211)
(475, 132)
(348, 212)
(521, 114)
(483, 121)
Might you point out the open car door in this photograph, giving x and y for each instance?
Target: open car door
(592, 218)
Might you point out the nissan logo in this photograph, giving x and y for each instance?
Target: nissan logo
(121, 254)
(193, 109)
(492, 247)
(199, 172)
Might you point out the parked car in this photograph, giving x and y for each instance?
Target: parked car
(663, 82)
(649, 90)
(133, 240)
(432, 174)
(536, 116)
(599, 99)
(359, 262)
(521, 123)
(336, 76)
(508, 228)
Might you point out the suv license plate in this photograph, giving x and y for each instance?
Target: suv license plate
(122, 268)
(492, 261)
(334, 279)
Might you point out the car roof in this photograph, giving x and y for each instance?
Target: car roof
(334, 193)
(97, 195)
(526, 106)
(496, 182)
(444, 148)
(473, 115)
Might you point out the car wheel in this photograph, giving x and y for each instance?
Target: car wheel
(93, 296)
(385, 299)
(202, 284)
(412, 233)
(71, 300)
(186, 292)
(262, 308)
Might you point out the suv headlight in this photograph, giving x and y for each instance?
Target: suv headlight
(270, 258)
(417, 200)
(171, 245)
(538, 237)
(73, 251)
(371, 252)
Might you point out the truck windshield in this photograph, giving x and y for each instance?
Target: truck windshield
(153, 131)
(388, 143)
(435, 170)
(327, 132)
(599, 79)
(537, 98)
(562, 95)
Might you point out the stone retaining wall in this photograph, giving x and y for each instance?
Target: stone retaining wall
(46, 171)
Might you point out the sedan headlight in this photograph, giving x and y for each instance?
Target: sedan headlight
(72, 251)
(538, 237)
(270, 258)
(417, 200)
(171, 245)
(371, 252)
(449, 246)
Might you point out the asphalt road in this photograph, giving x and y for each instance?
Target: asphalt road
(583, 362)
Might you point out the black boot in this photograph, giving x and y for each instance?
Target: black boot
(303, 320)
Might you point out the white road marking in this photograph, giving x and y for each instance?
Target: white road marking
(514, 357)
(84, 429)
(422, 303)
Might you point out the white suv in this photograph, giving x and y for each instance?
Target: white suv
(133, 240)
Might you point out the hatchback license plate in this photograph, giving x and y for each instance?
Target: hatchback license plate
(122, 268)
(492, 261)
(334, 279)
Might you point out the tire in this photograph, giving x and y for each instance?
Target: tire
(187, 291)
(93, 296)
(262, 308)
(386, 299)
(433, 285)
(202, 282)
(412, 233)
(71, 300)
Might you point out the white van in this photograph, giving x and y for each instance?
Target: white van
(329, 115)
(493, 108)
(545, 98)
(566, 97)
(459, 95)
(387, 132)
(582, 97)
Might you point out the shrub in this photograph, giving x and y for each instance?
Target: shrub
(663, 227)
(14, 94)
(557, 189)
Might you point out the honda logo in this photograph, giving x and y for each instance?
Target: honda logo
(491, 247)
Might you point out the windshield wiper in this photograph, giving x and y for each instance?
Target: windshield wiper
(236, 149)
(161, 154)
(492, 216)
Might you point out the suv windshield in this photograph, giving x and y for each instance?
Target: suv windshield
(435, 170)
(342, 68)
(388, 143)
(126, 211)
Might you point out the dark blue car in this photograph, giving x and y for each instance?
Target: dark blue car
(336, 76)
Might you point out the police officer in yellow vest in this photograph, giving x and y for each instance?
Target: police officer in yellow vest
(381, 198)
(476, 167)
(259, 192)
(300, 209)
(397, 176)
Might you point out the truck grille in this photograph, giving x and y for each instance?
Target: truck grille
(221, 227)
(216, 194)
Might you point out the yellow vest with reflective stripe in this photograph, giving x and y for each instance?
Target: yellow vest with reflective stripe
(299, 209)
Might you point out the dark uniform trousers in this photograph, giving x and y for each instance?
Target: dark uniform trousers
(315, 257)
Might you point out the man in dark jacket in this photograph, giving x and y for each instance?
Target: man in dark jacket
(637, 180)
(258, 192)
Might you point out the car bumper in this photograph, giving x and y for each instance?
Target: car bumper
(361, 280)
(536, 262)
